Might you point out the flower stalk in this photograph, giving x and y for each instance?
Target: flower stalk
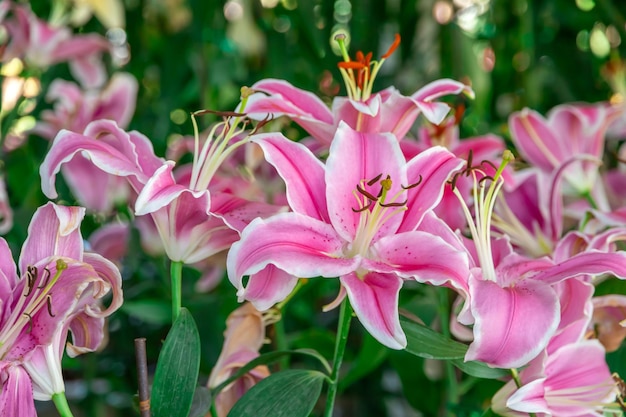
(345, 316)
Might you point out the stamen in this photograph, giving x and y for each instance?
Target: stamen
(468, 167)
(31, 276)
(491, 164)
(49, 302)
(374, 180)
(485, 178)
(415, 184)
(30, 322)
(393, 47)
(46, 277)
(366, 193)
(362, 208)
(394, 204)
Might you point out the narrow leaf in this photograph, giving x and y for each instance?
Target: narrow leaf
(290, 393)
(427, 343)
(269, 358)
(480, 369)
(176, 373)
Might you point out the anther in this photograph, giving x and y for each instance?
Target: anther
(30, 322)
(394, 204)
(485, 178)
(491, 164)
(362, 208)
(366, 193)
(49, 303)
(46, 277)
(374, 180)
(470, 158)
(415, 184)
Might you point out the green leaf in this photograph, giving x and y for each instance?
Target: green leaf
(268, 358)
(480, 369)
(201, 404)
(150, 311)
(427, 343)
(290, 393)
(176, 373)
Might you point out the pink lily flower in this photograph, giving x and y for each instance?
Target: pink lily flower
(243, 338)
(42, 45)
(75, 108)
(385, 111)
(514, 304)
(354, 218)
(561, 385)
(60, 291)
(572, 135)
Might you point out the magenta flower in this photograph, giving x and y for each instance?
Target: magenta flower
(513, 300)
(60, 291)
(387, 111)
(563, 385)
(41, 45)
(572, 135)
(354, 218)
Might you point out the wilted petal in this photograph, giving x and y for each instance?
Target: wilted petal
(374, 298)
(512, 324)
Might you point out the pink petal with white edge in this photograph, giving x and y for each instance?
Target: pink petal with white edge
(536, 141)
(431, 169)
(354, 157)
(53, 231)
(299, 245)
(568, 390)
(512, 324)
(440, 88)
(587, 263)
(302, 172)
(374, 298)
(434, 112)
(421, 256)
(161, 189)
(267, 287)
(16, 397)
(301, 102)
(111, 282)
(237, 212)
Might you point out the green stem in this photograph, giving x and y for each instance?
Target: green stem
(518, 383)
(280, 340)
(452, 393)
(345, 315)
(176, 272)
(60, 402)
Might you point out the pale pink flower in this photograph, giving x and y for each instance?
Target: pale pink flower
(243, 338)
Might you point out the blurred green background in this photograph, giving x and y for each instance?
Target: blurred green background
(196, 54)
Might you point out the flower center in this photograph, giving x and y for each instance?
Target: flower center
(223, 139)
(359, 74)
(484, 201)
(375, 209)
(35, 295)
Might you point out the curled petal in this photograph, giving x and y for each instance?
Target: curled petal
(374, 298)
(267, 287)
(297, 244)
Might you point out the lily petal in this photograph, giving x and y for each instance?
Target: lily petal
(431, 169)
(299, 245)
(512, 324)
(302, 172)
(374, 298)
(16, 397)
(267, 287)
